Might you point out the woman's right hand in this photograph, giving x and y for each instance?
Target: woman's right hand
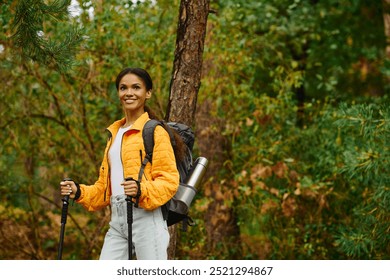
(68, 188)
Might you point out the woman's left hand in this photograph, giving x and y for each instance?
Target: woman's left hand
(130, 187)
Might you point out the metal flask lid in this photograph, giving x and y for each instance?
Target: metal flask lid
(196, 174)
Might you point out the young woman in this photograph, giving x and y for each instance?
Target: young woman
(122, 159)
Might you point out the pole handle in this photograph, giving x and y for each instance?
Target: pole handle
(64, 214)
(129, 202)
(130, 198)
(65, 204)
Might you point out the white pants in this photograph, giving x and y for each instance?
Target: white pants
(150, 233)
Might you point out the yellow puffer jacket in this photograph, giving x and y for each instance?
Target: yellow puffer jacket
(160, 180)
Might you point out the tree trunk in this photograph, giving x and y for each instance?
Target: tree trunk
(187, 65)
(386, 19)
(187, 70)
(220, 221)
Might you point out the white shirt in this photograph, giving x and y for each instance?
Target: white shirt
(116, 163)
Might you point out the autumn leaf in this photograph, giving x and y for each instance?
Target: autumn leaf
(280, 169)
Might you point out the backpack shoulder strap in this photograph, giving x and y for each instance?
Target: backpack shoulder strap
(148, 137)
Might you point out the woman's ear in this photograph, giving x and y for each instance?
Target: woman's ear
(148, 94)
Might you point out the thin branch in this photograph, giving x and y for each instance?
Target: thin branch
(84, 82)
(62, 118)
(60, 207)
(47, 117)
(85, 123)
(16, 246)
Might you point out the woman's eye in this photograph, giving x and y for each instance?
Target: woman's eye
(122, 88)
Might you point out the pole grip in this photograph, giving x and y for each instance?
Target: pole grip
(129, 200)
(138, 193)
(64, 214)
(65, 204)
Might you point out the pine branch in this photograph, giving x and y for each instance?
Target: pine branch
(366, 130)
(29, 36)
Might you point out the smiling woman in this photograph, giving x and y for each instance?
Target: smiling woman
(124, 154)
(134, 87)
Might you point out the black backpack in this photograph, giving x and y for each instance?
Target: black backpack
(175, 210)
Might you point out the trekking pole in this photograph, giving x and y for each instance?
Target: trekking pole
(65, 203)
(130, 222)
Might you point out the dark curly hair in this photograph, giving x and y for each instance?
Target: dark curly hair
(141, 73)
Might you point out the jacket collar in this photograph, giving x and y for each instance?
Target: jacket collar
(137, 125)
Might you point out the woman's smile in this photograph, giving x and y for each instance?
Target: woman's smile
(130, 101)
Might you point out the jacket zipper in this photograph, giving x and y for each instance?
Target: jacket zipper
(140, 156)
(108, 166)
(123, 169)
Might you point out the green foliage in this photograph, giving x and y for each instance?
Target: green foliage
(316, 191)
(335, 47)
(30, 35)
(53, 120)
(366, 156)
(290, 190)
(320, 185)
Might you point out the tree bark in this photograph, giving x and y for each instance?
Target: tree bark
(186, 73)
(386, 20)
(187, 65)
(220, 221)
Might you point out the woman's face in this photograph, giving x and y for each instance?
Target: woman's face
(133, 94)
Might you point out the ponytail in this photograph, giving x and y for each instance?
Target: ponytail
(151, 114)
(180, 148)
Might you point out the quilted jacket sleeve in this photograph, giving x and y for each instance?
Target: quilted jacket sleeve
(94, 197)
(156, 191)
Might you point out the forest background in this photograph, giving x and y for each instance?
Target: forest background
(292, 113)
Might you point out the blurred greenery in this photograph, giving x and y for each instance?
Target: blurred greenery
(297, 90)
